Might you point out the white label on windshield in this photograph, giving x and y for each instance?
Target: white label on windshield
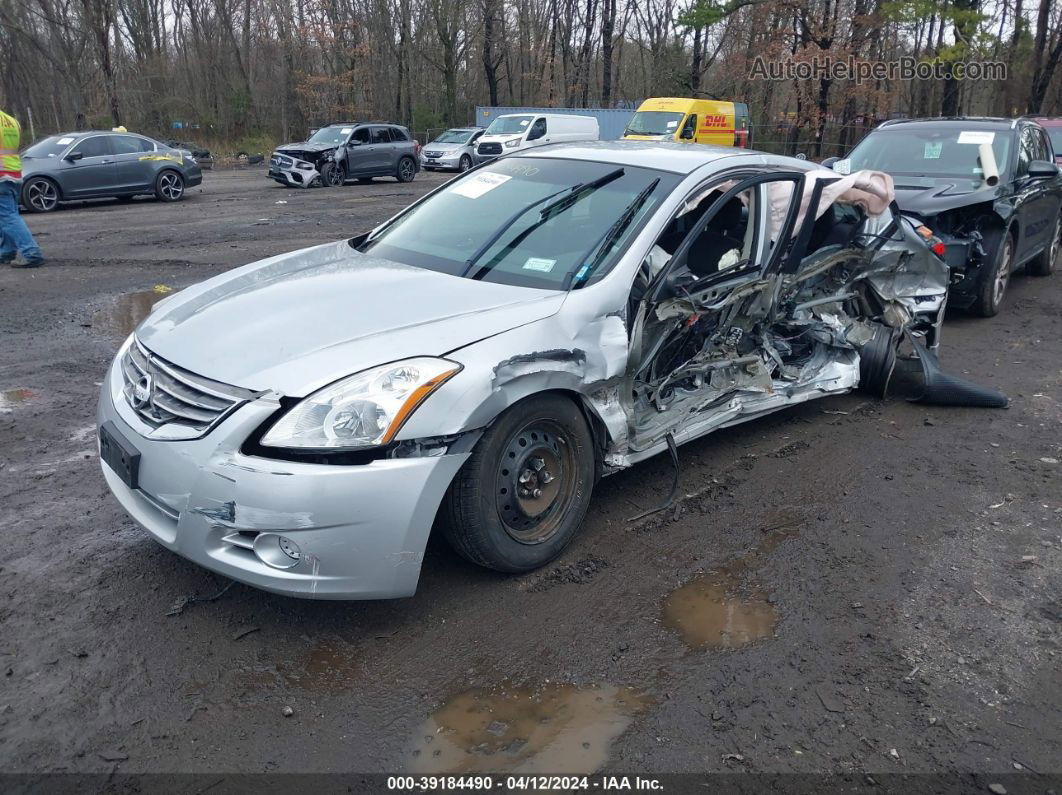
(672, 124)
(932, 150)
(347, 130)
(539, 264)
(843, 166)
(65, 141)
(976, 137)
(524, 122)
(476, 186)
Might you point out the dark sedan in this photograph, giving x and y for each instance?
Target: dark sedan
(97, 164)
(988, 187)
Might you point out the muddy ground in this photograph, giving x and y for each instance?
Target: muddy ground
(849, 586)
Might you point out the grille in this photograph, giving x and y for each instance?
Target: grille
(281, 161)
(490, 149)
(162, 393)
(433, 154)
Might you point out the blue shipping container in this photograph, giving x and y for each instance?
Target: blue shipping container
(611, 121)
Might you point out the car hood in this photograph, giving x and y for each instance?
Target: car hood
(443, 147)
(299, 321)
(927, 196)
(305, 146)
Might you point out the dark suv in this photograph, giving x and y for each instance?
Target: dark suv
(346, 150)
(992, 216)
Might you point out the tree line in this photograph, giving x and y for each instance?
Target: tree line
(247, 70)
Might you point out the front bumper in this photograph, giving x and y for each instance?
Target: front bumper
(297, 178)
(448, 160)
(361, 529)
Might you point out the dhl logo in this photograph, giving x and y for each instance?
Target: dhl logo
(713, 121)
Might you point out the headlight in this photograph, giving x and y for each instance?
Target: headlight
(512, 142)
(364, 410)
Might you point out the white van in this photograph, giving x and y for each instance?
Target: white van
(516, 131)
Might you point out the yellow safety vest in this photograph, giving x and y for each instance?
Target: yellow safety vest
(10, 162)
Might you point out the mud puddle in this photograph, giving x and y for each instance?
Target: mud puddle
(9, 398)
(127, 310)
(557, 728)
(718, 609)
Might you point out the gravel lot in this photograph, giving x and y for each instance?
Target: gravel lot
(850, 586)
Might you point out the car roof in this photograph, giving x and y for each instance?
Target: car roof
(671, 156)
(949, 122)
(82, 133)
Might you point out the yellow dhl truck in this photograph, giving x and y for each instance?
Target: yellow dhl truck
(702, 121)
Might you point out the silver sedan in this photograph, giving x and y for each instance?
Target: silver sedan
(481, 359)
(97, 164)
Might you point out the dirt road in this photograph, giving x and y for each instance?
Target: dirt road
(849, 586)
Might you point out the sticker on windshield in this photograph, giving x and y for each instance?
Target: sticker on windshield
(65, 141)
(347, 130)
(539, 264)
(671, 124)
(976, 137)
(476, 186)
(843, 166)
(932, 150)
(524, 122)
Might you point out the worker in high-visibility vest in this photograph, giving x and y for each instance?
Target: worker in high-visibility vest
(15, 237)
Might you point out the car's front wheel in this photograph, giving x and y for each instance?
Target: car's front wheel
(169, 186)
(522, 495)
(1044, 263)
(40, 195)
(407, 169)
(333, 174)
(995, 278)
(465, 164)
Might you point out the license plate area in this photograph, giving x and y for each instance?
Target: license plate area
(119, 454)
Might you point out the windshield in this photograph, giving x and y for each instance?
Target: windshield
(929, 152)
(527, 222)
(1055, 134)
(654, 122)
(50, 147)
(454, 137)
(509, 125)
(331, 135)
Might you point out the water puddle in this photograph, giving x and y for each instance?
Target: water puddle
(127, 310)
(557, 728)
(9, 398)
(718, 610)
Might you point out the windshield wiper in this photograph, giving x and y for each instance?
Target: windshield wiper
(551, 210)
(605, 242)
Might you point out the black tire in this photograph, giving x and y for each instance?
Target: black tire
(40, 195)
(491, 514)
(169, 186)
(334, 175)
(1043, 264)
(993, 280)
(407, 169)
(465, 163)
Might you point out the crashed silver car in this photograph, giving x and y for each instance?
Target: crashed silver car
(481, 359)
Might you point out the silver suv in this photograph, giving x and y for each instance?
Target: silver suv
(346, 150)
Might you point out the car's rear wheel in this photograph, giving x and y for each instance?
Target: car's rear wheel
(995, 278)
(169, 186)
(1044, 262)
(40, 195)
(407, 169)
(522, 495)
(465, 164)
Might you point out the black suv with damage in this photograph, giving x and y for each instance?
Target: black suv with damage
(988, 187)
(347, 150)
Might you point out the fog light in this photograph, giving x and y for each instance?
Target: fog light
(276, 550)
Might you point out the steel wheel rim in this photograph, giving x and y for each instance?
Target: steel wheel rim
(41, 195)
(535, 482)
(170, 186)
(407, 170)
(999, 289)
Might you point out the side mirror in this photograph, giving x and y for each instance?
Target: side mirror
(354, 142)
(687, 134)
(1041, 169)
(74, 156)
(829, 161)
